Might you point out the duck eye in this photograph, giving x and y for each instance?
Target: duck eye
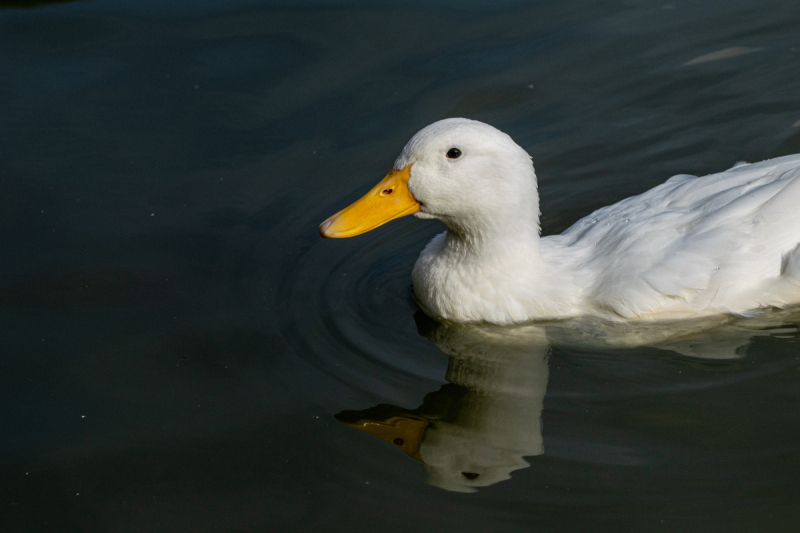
(453, 153)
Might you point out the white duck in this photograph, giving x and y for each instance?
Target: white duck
(724, 243)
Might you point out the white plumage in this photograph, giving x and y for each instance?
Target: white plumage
(724, 243)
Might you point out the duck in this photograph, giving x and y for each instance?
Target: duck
(723, 244)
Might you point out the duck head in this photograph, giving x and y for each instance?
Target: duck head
(468, 174)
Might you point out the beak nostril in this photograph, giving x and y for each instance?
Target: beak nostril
(398, 441)
(387, 191)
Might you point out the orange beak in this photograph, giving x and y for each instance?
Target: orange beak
(403, 429)
(388, 200)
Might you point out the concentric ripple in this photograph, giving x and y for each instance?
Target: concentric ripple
(348, 309)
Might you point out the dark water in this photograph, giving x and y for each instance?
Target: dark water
(178, 339)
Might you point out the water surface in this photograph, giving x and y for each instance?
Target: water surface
(179, 341)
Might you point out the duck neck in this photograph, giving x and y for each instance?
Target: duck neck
(493, 274)
(506, 240)
(506, 226)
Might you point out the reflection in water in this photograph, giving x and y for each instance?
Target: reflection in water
(474, 431)
(477, 429)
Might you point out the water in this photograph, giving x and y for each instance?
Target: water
(179, 342)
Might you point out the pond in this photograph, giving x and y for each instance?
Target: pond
(184, 353)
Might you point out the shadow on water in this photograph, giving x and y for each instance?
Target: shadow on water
(479, 427)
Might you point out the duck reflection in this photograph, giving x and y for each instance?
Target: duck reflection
(480, 426)
(476, 429)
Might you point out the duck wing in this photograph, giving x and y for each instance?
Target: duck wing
(724, 242)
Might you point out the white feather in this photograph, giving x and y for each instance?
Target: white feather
(724, 243)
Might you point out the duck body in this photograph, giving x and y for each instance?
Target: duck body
(690, 247)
